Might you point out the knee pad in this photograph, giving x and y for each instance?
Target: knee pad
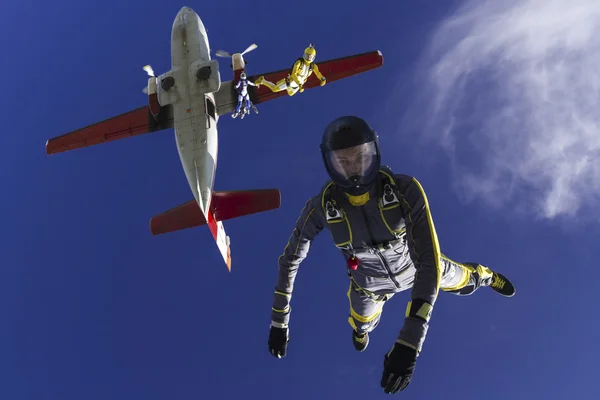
(364, 327)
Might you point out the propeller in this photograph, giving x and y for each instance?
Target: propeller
(223, 53)
(150, 72)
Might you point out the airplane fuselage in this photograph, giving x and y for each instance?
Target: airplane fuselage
(195, 121)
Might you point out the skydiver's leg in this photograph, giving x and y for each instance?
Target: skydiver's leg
(463, 279)
(253, 106)
(262, 81)
(459, 279)
(365, 314)
(281, 85)
(247, 103)
(291, 87)
(239, 104)
(291, 90)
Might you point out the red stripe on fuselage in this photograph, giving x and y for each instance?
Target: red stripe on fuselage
(212, 224)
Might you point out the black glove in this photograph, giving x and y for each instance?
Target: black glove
(278, 340)
(398, 367)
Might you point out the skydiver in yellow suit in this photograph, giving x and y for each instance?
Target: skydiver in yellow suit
(302, 69)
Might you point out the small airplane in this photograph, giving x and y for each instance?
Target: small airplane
(190, 98)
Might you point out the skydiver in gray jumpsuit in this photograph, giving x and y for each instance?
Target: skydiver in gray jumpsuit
(383, 226)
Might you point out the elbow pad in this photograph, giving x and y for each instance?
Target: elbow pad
(419, 309)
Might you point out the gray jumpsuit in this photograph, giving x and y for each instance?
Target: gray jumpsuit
(396, 246)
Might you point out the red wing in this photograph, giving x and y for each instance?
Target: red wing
(332, 70)
(184, 216)
(224, 205)
(233, 204)
(132, 123)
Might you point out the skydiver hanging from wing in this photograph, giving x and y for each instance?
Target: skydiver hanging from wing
(301, 71)
(242, 89)
(382, 223)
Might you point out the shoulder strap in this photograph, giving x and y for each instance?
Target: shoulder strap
(389, 202)
(337, 220)
(389, 193)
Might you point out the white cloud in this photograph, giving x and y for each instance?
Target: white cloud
(511, 90)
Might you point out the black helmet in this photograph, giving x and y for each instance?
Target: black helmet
(350, 152)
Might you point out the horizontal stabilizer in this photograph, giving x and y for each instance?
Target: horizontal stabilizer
(224, 205)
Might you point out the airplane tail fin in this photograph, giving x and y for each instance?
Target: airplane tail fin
(224, 205)
(218, 231)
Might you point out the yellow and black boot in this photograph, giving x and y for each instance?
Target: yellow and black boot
(502, 285)
(483, 276)
(360, 340)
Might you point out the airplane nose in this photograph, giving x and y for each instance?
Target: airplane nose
(183, 17)
(187, 16)
(185, 11)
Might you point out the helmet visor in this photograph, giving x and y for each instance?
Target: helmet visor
(309, 57)
(353, 162)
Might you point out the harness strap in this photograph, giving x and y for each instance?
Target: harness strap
(381, 246)
(389, 207)
(337, 220)
(389, 203)
(365, 292)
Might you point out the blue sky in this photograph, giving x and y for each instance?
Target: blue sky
(494, 113)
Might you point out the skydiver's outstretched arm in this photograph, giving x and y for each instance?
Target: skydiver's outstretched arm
(399, 362)
(237, 85)
(308, 226)
(251, 83)
(318, 73)
(425, 253)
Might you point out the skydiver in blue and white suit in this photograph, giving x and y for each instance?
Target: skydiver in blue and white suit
(242, 89)
(383, 226)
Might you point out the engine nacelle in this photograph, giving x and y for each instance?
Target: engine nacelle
(166, 88)
(206, 75)
(153, 103)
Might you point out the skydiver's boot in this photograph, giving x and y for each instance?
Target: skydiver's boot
(360, 341)
(502, 285)
(486, 277)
